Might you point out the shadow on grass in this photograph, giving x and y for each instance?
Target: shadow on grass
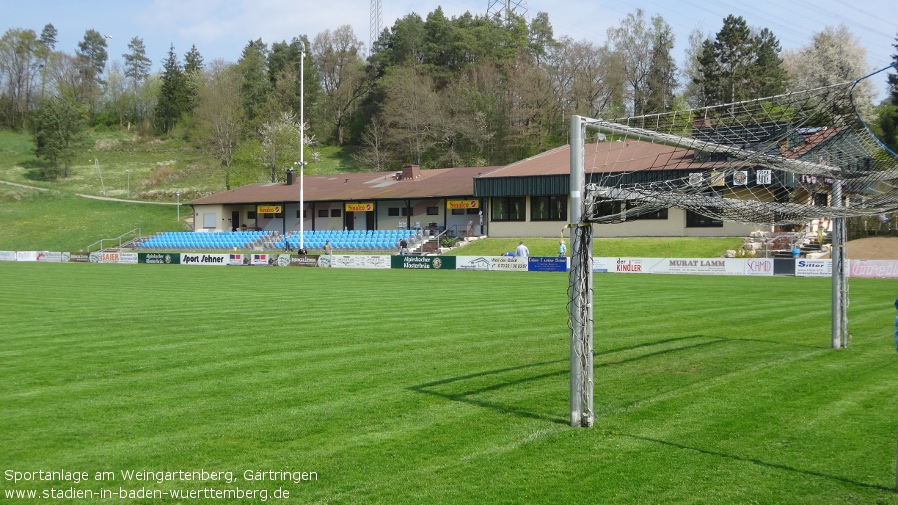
(465, 396)
(758, 462)
(499, 383)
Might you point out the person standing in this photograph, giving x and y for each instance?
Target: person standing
(522, 251)
(403, 247)
(328, 250)
(562, 249)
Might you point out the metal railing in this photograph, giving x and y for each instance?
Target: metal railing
(133, 234)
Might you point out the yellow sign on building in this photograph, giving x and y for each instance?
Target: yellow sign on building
(360, 207)
(462, 204)
(269, 209)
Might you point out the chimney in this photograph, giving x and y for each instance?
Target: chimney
(291, 177)
(410, 172)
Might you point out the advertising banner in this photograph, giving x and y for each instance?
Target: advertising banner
(813, 268)
(269, 209)
(289, 260)
(626, 266)
(104, 257)
(49, 257)
(129, 258)
(424, 262)
(463, 204)
(360, 207)
(360, 261)
(79, 257)
(713, 266)
(204, 259)
(262, 259)
(236, 260)
(687, 266)
(547, 264)
(26, 255)
(158, 258)
(873, 269)
(507, 263)
(7, 255)
(758, 266)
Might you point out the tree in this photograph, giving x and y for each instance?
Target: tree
(279, 140)
(256, 86)
(21, 57)
(220, 116)
(48, 40)
(893, 78)
(888, 111)
(93, 49)
(632, 41)
(661, 81)
(833, 56)
(172, 95)
(137, 69)
(58, 132)
(137, 65)
(337, 59)
(740, 64)
(92, 62)
(193, 77)
(409, 108)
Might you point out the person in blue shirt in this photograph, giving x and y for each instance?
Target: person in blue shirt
(562, 248)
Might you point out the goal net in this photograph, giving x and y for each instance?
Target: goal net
(784, 160)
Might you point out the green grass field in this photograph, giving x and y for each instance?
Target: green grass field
(444, 386)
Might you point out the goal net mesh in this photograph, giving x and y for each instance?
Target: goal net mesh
(773, 160)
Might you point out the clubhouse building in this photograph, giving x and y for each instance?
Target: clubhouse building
(529, 198)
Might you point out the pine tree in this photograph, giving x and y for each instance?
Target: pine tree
(172, 93)
(58, 132)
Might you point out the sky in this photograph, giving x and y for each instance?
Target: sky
(220, 29)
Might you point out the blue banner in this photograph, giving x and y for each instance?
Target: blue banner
(547, 264)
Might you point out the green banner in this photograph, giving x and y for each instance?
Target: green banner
(159, 258)
(423, 262)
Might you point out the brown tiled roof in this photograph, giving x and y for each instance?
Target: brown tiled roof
(603, 157)
(435, 183)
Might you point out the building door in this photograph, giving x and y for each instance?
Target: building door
(369, 220)
(349, 220)
(235, 220)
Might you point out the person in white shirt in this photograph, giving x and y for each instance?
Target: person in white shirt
(522, 251)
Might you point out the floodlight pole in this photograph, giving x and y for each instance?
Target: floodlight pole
(302, 141)
(839, 286)
(580, 290)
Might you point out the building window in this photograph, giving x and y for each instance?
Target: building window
(323, 213)
(406, 211)
(433, 211)
(657, 214)
(472, 211)
(548, 208)
(510, 208)
(821, 199)
(336, 213)
(458, 212)
(251, 215)
(696, 220)
(608, 208)
(393, 211)
(305, 214)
